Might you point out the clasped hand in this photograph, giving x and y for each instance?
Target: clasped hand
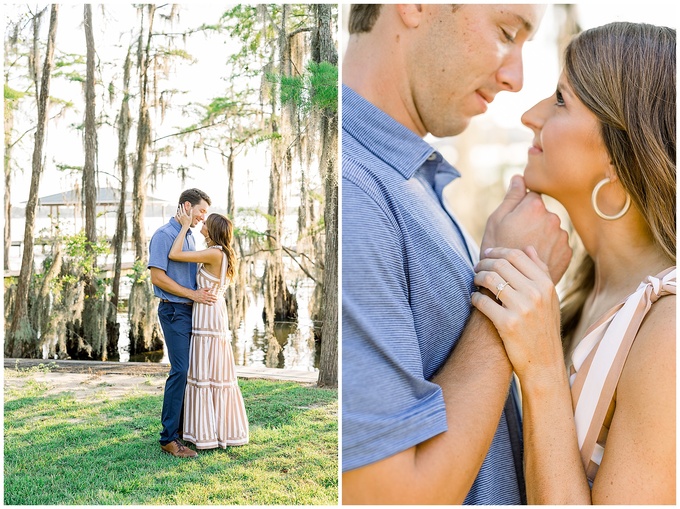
(526, 311)
(525, 247)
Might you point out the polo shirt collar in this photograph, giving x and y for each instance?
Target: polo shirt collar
(175, 224)
(380, 134)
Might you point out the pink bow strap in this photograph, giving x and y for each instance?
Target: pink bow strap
(600, 357)
(661, 286)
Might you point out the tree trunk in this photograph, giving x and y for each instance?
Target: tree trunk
(20, 330)
(124, 120)
(568, 28)
(328, 367)
(231, 205)
(9, 124)
(143, 140)
(304, 205)
(282, 304)
(91, 313)
(44, 316)
(142, 317)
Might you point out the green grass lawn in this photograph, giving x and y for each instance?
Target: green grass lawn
(62, 450)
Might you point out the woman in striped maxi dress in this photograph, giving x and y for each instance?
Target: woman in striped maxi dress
(214, 412)
(602, 430)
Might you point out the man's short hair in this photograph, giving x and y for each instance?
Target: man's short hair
(194, 196)
(362, 17)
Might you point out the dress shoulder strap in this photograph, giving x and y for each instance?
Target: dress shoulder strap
(223, 272)
(607, 344)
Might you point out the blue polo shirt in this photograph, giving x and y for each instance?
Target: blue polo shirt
(183, 273)
(407, 276)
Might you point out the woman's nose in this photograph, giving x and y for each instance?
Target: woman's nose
(533, 118)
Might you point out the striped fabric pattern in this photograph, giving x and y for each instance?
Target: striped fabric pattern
(598, 361)
(214, 412)
(406, 284)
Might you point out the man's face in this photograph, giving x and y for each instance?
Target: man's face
(199, 211)
(462, 59)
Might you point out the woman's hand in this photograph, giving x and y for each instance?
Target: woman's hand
(183, 217)
(526, 311)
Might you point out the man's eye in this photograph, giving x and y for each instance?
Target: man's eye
(508, 37)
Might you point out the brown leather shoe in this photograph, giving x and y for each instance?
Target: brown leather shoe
(178, 449)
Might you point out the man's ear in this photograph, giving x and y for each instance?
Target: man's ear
(410, 14)
(187, 206)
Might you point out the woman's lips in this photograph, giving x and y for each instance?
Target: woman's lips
(535, 149)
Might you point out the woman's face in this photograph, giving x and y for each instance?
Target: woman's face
(568, 156)
(204, 230)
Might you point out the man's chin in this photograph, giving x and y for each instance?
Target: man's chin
(452, 129)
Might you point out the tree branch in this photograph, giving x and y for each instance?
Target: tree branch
(290, 253)
(299, 30)
(33, 129)
(299, 264)
(187, 131)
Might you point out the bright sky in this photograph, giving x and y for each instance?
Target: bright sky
(540, 55)
(65, 145)
(203, 80)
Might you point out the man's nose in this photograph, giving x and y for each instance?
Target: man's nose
(511, 74)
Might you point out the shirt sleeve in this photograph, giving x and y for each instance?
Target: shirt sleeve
(159, 249)
(387, 404)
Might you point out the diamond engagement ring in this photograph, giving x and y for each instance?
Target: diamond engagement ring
(500, 287)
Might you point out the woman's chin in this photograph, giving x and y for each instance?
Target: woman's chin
(537, 185)
(531, 183)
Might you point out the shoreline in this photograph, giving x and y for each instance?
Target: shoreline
(142, 369)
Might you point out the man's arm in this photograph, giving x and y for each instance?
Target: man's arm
(160, 279)
(441, 470)
(474, 382)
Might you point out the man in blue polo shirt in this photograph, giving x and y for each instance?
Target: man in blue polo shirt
(424, 422)
(175, 284)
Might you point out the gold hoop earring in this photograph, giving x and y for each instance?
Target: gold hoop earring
(596, 190)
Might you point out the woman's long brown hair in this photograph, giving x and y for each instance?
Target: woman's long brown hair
(625, 74)
(221, 231)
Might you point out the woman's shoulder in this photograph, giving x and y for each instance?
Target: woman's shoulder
(650, 365)
(657, 330)
(214, 255)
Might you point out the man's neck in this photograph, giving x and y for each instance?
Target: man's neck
(376, 73)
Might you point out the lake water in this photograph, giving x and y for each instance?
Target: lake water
(293, 348)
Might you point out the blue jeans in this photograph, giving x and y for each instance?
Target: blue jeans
(176, 324)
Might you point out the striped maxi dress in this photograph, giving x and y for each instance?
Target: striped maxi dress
(598, 361)
(214, 412)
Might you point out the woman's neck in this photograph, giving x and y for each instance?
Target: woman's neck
(621, 263)
(624, 253)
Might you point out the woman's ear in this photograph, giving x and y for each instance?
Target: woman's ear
(612, 178)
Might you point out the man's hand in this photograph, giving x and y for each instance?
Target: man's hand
(522, 220)
(203, 296)
(165, 283)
